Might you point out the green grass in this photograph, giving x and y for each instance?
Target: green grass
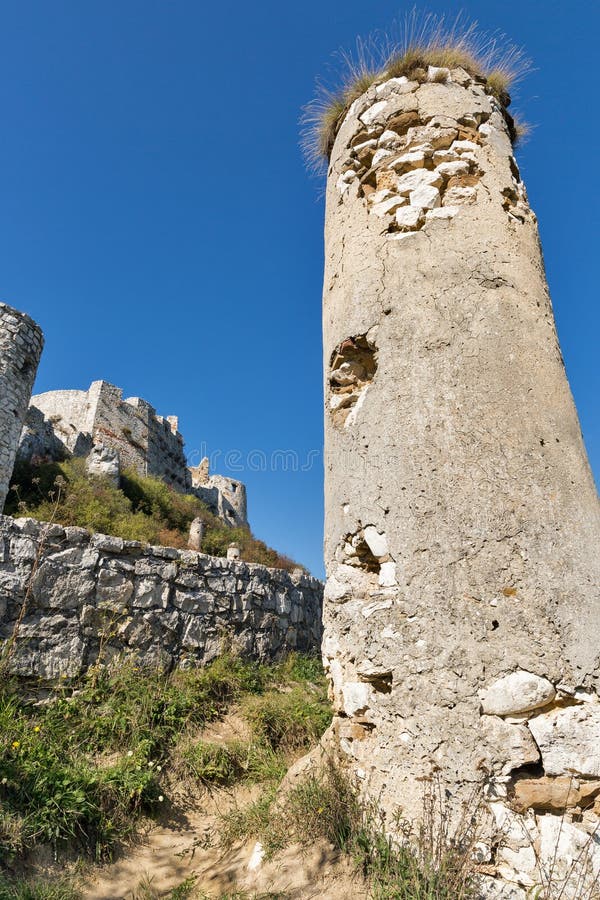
(83, 768)
(25, 889)
(428, 865)
(143, 509)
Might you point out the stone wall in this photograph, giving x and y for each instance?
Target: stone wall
(90, 597)
(21, 343)
(462, 521)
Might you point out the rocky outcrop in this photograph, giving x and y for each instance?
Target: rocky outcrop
(462, 602)
(89, 598)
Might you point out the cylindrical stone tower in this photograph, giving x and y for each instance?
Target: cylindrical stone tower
(21, 343)
(462, 605)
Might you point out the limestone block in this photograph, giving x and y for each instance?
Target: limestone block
(380, 155)
(376, 542)
(444, 212)
(564, 846)
(104, 462)
(438, 74)
(462, 147)
(454, 167)
(518, 865)
(460, 196)
(415, 159)
(438, 138)
(356, 697)
(113, 588)
(569, 740)
(399, 85)
(409, 217)
(387, 574)
(512, 745)
(388, 140)
(374, 113)
(555, 794)
(516, 693)
(417, 178)
(425, 197)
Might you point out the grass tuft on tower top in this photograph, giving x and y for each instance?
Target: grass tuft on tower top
(422, 40)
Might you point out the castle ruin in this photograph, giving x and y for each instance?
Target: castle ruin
(70, 423)
(21, 343)
(462, 602)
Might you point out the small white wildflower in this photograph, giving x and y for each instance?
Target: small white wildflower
(160, 798)
(150, 765)
(130, 753)
(159, 768)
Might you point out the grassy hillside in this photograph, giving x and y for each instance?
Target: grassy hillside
(143, 509)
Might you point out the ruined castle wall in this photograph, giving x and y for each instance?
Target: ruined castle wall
(90, 597)
(231, 497)
(68, 414)
(462, 520)
(21, 343)
(146, 442)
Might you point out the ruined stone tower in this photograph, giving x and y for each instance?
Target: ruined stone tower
(21, 344)
(462, 605)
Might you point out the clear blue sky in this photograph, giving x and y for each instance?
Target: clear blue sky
(157, 221)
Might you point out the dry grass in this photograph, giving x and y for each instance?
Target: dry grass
(421, 41)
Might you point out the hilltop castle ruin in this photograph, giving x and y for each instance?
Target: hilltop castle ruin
(462, 602)
(65, 423)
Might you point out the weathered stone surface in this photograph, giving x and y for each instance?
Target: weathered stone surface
(570, 857)
(162, 605)
(511, 745)
(426, 197)
(408, 217)
(104, 461)
(554, 794)
(465, 452)
(21, 344)
(417, 178)
(518, 692)
(569, 740)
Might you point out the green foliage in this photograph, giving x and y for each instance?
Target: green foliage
(232, 761)
(143, 509)
(288, 720)
(431, 865)
(83, 767)
(20, 889)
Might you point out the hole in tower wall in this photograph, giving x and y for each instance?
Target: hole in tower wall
(356, 552)
(352, 368)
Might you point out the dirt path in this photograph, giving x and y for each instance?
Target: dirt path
(170, 853)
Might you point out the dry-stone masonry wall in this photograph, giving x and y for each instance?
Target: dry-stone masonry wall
(21, 344)
(93, 597)
(462, 604)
